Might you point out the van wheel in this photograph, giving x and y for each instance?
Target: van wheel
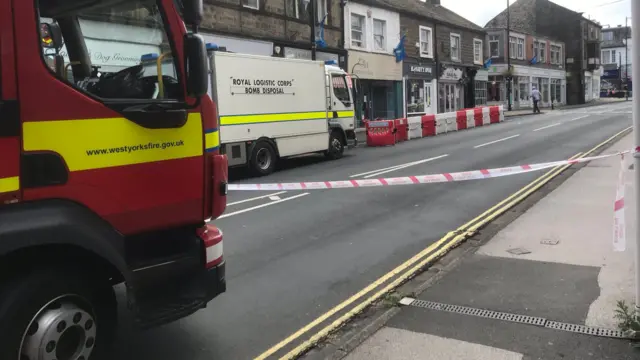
(263, 159)
(336, 146)
(60, 315)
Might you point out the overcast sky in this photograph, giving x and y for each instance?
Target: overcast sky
(607, 12)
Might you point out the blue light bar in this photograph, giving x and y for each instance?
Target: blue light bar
(149, 57)
(212, 47)
(330, 62)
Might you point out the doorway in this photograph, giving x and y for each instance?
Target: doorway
(450, 97)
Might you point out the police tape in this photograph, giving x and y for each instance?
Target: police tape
(619, 231)
(418, 179)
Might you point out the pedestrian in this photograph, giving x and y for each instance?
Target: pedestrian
(535, 95)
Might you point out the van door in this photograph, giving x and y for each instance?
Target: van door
(108, 137)
(9, 118)
(341, 101)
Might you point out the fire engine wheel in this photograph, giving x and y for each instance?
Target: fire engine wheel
(336, 146)
(263, 159)
(51, 315)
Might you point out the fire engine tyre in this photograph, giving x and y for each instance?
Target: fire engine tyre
(263, 159)
(61, 315)
(336, 146)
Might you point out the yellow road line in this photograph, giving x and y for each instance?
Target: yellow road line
(454, 236)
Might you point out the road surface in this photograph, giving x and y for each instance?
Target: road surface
(291, 256)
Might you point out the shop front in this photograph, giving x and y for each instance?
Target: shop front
(550, 82)
(451, 88)
(592, 84)
(480, 87)
(419, 87)
(378, 84)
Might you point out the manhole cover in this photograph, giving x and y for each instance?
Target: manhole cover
(519, 251)
(549, 242)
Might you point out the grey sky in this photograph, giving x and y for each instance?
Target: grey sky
(607, 12)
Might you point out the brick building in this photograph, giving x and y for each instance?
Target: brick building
(579, 37)
(275, 27)
(443, 67)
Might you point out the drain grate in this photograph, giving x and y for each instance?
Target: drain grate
(532, 320)
(581, 329)
(522, 319)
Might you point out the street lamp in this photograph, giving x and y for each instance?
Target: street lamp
(311, 10)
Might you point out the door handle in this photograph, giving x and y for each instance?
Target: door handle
(156, 116)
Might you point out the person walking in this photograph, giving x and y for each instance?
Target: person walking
(535, 95)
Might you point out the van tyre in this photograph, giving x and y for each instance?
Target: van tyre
(52, 314)
(336, 146)
(263, 159)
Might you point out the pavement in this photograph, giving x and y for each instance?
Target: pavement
(566, 272)
(294, 255)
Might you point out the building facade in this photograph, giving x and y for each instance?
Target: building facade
(616, 59)
(275, 27)
(536, 62)
(373, 33)
(578, 37)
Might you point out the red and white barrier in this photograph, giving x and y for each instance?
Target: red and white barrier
(415, 127)
(413, 180)
(619, 238)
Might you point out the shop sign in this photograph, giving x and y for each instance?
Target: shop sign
(451, 73)
(421, 71)
(482, 75)
(374, 66)
(611, 74)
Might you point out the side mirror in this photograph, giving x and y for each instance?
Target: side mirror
(51, 36)
(192, 12)
(196, 65)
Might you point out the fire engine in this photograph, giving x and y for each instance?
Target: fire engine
(108, 175)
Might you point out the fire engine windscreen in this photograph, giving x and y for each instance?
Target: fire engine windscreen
(113, 49)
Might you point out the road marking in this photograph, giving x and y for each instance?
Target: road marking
(261, 206)
(406, 166)
(450, 240)
(274, 198)
(496, 141)
(579, 117)
(374, 171)
(546, 127)
(256, 198)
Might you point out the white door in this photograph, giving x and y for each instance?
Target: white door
(428, 98)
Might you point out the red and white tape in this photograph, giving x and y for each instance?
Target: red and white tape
(619, 233)
(413, 180)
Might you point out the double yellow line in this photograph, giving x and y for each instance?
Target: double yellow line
(417, 263)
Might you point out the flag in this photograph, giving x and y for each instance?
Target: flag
(487, 63)
(534, 60)
(399, 50)
(320, 37)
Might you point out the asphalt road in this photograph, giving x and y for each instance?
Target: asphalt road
(291, 256)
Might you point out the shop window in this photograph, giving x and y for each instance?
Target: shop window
(455, 47)
(556, 90)
(477, 51)
(495, 88)
(125, 42)
(379, 38)
(480, 93)
(426, 49)
(494, 46)
(251, 4)
(523, 84)
(545, 90)
(415, 96)
(357, 31)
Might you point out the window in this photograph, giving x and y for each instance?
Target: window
(512, 47)
(321, 10)
(455, 47)
(425, 42)
(481, 93)
(340, 88)
(556, 54)
(556, 90)
(116, 37)
(494, 46)
(520, 48)
(379, 30)
(613, 56)
(477, 51)
(416, 96)
(357, 31)
(606, 57)
(251, 4)
(545, 90)
(523, 83)
(607, 36)
(298, 9)
(539, 50)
